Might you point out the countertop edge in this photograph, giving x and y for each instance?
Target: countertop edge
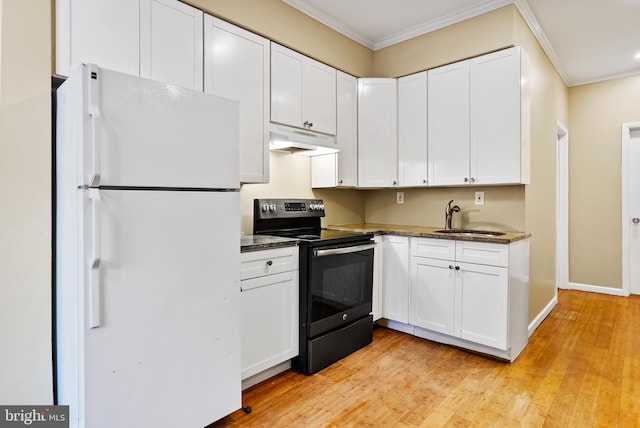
(428, 232)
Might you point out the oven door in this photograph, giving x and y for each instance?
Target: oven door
(340, 285)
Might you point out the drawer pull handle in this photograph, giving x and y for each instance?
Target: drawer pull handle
(269, 262)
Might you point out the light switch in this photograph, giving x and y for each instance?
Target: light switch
(479, 198)
(400, 197)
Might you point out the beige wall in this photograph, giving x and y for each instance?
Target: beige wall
(472, 37)
(597, 112)
(25, 191)
(549, 104)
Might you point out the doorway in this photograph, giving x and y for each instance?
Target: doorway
(562, 206)
(630, 208)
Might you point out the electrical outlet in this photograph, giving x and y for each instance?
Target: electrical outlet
(479, 198)
(400, 197)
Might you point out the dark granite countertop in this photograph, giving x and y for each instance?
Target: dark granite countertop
(428, 232)
(264, 242)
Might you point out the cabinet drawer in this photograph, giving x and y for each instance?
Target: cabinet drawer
(482, 253)
(443, 249)
(268, 262)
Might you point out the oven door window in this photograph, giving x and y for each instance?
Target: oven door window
(340, 289)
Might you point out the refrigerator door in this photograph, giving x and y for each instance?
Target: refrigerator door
(158, 321)
(142, 133)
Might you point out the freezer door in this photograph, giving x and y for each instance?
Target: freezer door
(139, 132)
(159, 324)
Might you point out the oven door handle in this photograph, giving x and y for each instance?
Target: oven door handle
(345, 250)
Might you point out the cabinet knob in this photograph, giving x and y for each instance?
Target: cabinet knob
(636, 220)
(340, 181)
(451, 267)
(457, 267)
(395, 183)
(466, 180)
(424, 181)
(269, 262)
(472, 180)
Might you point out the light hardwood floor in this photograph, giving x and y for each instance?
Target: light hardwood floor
(581, 368)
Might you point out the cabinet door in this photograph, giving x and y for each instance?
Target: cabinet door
(377, 274)
(286, 86)
(347, 129)
(432, 294)
(483, 302)
(377, 133)
(395, 278)
(341, 169)
(269, 321)
(412, 130)
(171, 43)
(448, 118)
(318, 96)
(495, 117)
(105, 33)
(237, 66)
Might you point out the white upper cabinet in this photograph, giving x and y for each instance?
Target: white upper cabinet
(341, 169)
(237, 66)
(448, 117)
(412, 130)
(171, 43)
(157, 39)
(303, 91)
(377, 132)
(478, 113)
(104, 32)
(499, 118)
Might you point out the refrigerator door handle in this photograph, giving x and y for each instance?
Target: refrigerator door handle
(94, 276)
(94, 112)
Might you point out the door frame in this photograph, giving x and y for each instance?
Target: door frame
(562, 206)
(627, 129)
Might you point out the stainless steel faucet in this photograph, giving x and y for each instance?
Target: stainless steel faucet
(448, 214)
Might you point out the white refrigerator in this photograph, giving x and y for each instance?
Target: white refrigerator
(147, 253)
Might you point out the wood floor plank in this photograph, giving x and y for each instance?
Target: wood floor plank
(581, 368)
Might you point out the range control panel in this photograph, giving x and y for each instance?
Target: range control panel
(288, 208)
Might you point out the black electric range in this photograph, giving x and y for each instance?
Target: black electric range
(336, 280)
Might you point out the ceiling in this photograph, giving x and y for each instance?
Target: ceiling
(587, 40)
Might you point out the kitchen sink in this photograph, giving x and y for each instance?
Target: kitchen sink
(470, 232)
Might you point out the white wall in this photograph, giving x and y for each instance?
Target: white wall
(25, 207)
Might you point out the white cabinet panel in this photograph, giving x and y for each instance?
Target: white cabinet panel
(270, 302)
(483, 302)
(377, 279)
(171, 43)
(448, 117)
(479, 121)
(432, 294)
(495, 127)
(102, 32)
(377, 133)
(269, 321)
(412, 130)
(341, 169)
(395, 278)
(268, 262)
(303, 91)
(237, 66)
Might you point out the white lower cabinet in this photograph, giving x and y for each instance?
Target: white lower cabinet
(376, 301)
(269, 302)
(469, 294)
(395, 278)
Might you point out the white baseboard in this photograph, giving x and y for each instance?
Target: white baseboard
(542, 315)
(597, 289)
